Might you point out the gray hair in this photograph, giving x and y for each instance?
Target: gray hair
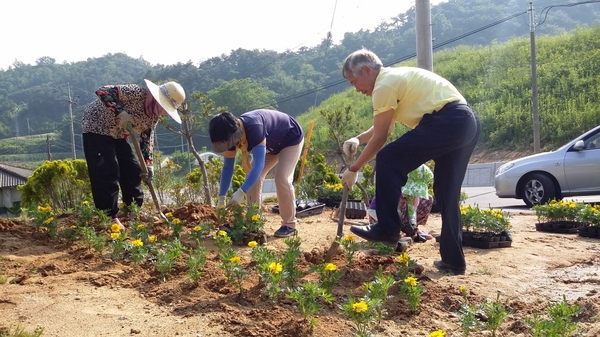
(358, 59)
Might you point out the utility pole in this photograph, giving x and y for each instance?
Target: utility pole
(72, 128)
(423, 31)
(534, 86)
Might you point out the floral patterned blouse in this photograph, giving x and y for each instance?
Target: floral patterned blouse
(102, 115)
(418, 182)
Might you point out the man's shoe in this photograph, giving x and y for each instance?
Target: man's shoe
(447, 268)
(284, 232)
(374, 233)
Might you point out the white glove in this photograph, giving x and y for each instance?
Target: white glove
(236, 199)
(350, 146)
(148, 177)
(124, 119)
(349, 178)
(221, 201)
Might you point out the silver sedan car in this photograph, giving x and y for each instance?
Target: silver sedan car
(572, 170)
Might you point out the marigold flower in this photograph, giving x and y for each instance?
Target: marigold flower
(85, 202)
(350, 238)
(73, 227)
(49, 220)
(222, 233)
(462, 289)
(137, 243)
(361, 306)
(252, 244)
(141, 226)
(275, 267)
(115, 228)
(412, 281)
(115, 236)
(235, 259)
(168, 215)
(176, 221)
(403, 258)
(152, 238)
(438, 333)
(122, 204)
(197, 229)
(255, 217)
(330, 267)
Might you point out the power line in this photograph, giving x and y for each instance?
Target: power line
(547, 9)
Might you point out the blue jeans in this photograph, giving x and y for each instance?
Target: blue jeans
(448, 137)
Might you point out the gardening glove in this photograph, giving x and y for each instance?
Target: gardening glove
(221, 201)
(350, 146)
(147, 177)
(236, 199)
(124, 119)
(349, 178)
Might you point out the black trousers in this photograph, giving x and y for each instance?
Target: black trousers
(447, 137)
(112, 164)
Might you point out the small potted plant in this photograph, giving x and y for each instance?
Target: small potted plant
(558, 216)
(590, 219)
(487, 228)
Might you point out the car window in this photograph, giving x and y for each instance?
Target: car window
(593, 142)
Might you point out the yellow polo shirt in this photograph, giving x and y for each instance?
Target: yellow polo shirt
(411, 92)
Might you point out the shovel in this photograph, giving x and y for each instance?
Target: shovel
(341, 217)
(144, 174)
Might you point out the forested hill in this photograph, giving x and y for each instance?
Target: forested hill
(34, 98)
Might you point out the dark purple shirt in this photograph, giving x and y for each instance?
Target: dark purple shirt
(280, 129)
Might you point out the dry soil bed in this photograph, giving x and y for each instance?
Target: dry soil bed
(70, 291)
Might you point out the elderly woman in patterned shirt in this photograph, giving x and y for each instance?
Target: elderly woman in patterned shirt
(110, 159)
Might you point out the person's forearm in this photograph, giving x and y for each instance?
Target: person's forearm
(365, 136)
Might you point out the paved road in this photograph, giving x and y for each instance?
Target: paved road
(485, 197)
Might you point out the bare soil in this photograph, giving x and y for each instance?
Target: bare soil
(70, 290)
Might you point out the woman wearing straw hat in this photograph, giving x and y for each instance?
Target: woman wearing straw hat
(271, 137)
(110, 159)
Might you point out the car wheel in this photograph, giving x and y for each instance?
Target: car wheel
(538, 190)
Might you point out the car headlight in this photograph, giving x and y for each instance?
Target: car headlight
(504, 168)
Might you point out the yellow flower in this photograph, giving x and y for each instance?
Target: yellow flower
(152, 238)
(275, 267)
(221, 206)
(197, 228)
(137, 243)
(115, 228)
(255, 217)
(403, 258)
(463, 289)
(360, 306)
(168, 215)
(49, 220)
(115, 236)
(252, 244)
(350, 238)
(73, 227)
(330, 267)
(176, 221)
(438, 333)
(141, 226)
(235, 259)
(85, 202)
(222, 233)
(122, 204)
(411, 280)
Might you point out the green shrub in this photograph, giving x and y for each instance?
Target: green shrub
(62, 184)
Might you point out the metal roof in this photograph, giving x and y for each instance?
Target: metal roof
(11, 176)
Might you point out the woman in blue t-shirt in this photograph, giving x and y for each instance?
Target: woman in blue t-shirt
(271, 137)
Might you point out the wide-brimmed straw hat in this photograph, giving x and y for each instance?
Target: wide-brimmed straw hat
(169, 95)
(224, 132)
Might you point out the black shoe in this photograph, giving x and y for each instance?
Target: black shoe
(409, 229)
(375, 233)
(447, 268)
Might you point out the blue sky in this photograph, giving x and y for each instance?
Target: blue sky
(168, 32)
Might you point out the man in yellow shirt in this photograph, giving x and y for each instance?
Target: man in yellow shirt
(444, 129)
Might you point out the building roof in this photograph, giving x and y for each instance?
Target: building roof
(11, 176)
